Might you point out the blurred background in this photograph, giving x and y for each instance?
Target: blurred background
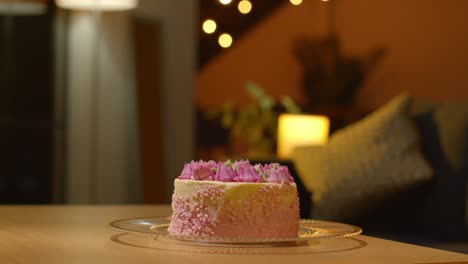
(105, 103)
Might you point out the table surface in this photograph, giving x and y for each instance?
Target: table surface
(78, 234)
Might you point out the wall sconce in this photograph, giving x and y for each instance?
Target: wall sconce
(299, 130)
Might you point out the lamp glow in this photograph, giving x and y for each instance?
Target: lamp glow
(209, 26)
(102, 5)
(300, 130)
(244, 6)
(225, 40)
(225, 2)
(296, 2)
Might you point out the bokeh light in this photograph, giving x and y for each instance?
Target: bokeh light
(244, 6)
(225, 2)
(225, 40)
(296, 2)
(209, 26)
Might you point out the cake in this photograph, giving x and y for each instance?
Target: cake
(234, 200)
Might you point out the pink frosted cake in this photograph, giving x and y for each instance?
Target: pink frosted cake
(228, 199)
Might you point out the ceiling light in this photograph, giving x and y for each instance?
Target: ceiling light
(225, 2)
(102, 5)
(296, 2)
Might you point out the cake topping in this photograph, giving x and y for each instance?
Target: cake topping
(225, 172)
(239, 171)
(245, 172)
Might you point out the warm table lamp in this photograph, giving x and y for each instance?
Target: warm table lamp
(299, 130)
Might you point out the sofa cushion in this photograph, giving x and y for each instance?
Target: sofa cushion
(364, 163)
(444, 140)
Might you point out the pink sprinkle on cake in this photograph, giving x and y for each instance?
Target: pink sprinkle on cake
(235, 200)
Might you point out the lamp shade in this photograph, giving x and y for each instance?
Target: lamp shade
(101, 5)
(299, 130)
(23, 7)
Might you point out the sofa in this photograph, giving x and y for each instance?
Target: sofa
(400, 173)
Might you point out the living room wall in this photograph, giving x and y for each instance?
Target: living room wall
(425, 40)
(263, 55)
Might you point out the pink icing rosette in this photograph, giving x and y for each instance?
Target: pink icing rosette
(239, 171)
(186, 173)
(245, 172)
(275, 173)
(225, 173)
(199, 170)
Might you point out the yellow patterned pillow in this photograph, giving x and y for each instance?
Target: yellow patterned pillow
(363, 163)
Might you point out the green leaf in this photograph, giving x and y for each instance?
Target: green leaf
(289, 105)
(254, 90)
(266, 103)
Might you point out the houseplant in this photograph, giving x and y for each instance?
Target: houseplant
(253, 127)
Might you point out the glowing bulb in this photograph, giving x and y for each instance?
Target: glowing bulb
(209, 26)
(225, 40)
(296, 2)
(244, 6)
(101, 5)
(225, 2)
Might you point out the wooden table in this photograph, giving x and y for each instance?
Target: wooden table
(78, 234)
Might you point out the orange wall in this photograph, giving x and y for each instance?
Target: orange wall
(263, 55)
(427, 42)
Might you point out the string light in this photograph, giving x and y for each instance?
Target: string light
(209, 26)
(225, 40)
(244, 6)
